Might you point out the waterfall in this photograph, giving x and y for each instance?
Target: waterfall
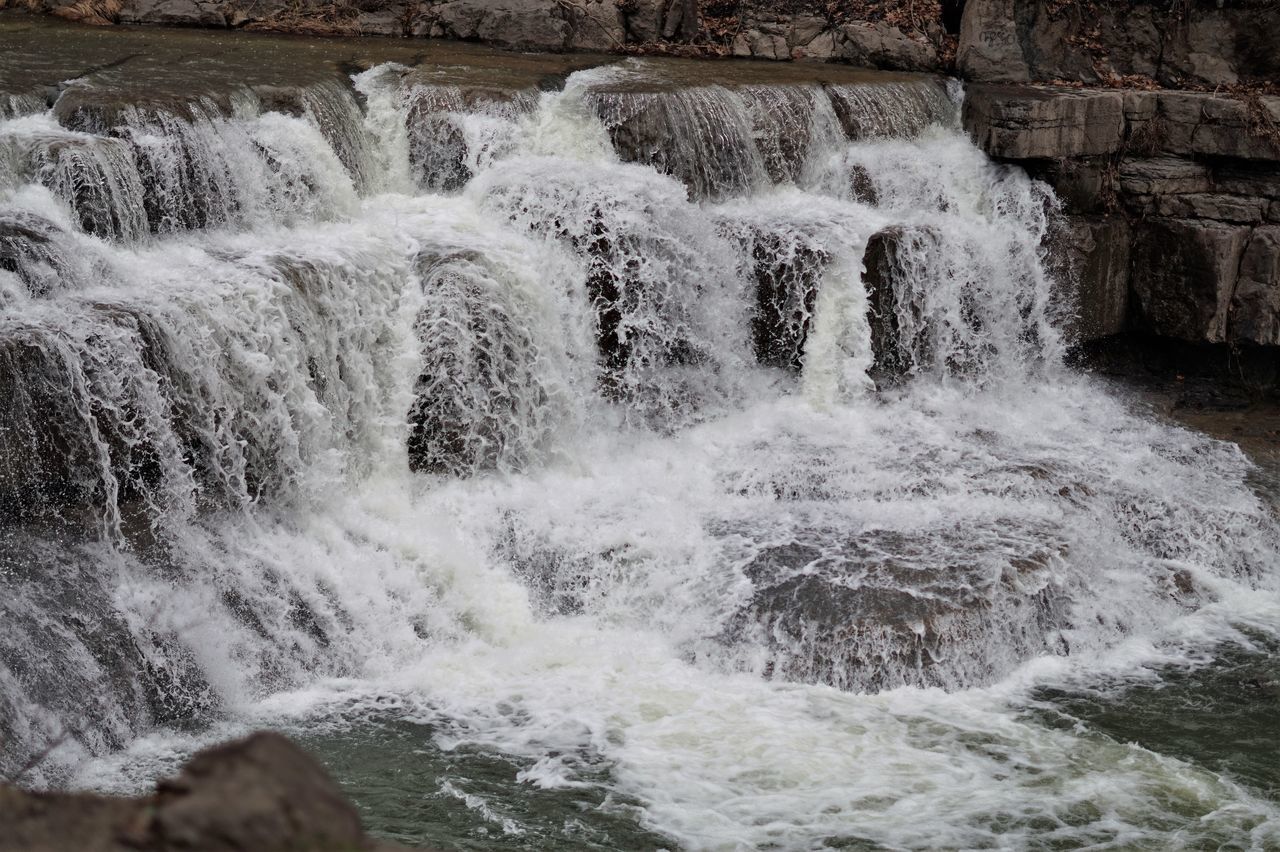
(620, 422)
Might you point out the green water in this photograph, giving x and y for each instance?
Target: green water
(410, 790)
(1224, 717)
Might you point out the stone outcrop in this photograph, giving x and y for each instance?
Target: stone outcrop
(1171, 202)
(260, 794)
(758, 30)
(1169, 194)
(1096, 41)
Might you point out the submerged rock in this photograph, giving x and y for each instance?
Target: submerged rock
(260, 794)
(884, 608)
(480, 402)
(443, 155)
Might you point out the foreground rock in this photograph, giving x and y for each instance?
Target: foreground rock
(260, 794)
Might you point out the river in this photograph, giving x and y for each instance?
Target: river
(528, 436)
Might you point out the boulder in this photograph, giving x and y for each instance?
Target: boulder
(1035, 122)
(381, 22)
(597, 25)
(521, 24)
(642, 20)
(990, 47)
(876, 44)
(260, 794)
(760, 45)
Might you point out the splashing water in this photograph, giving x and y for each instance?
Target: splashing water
(542, 428)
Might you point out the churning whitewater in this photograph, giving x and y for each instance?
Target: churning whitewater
(702, 452)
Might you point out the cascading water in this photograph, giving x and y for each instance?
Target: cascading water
(702, 452)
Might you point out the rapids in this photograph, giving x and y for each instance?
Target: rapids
(537, 445)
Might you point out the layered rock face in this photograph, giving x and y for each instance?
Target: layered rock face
(260, 794)
(1172, 202)
(1171, 197)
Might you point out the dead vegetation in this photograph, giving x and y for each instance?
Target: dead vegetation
(94, 12)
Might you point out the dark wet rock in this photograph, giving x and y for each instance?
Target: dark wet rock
(882, 271)
(478, 395)
(1184, 272)
(782, 126)
(260, 794)
(29, 248)
(901, 109)
(788, 272)
(694, 135)
(76, 676)
(68, 665)
(47, 458)
(439, 152)
(1255, 303)
(97, 177)
(103, 111)
(1090, 258)
(862, 186)
(876, 610)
